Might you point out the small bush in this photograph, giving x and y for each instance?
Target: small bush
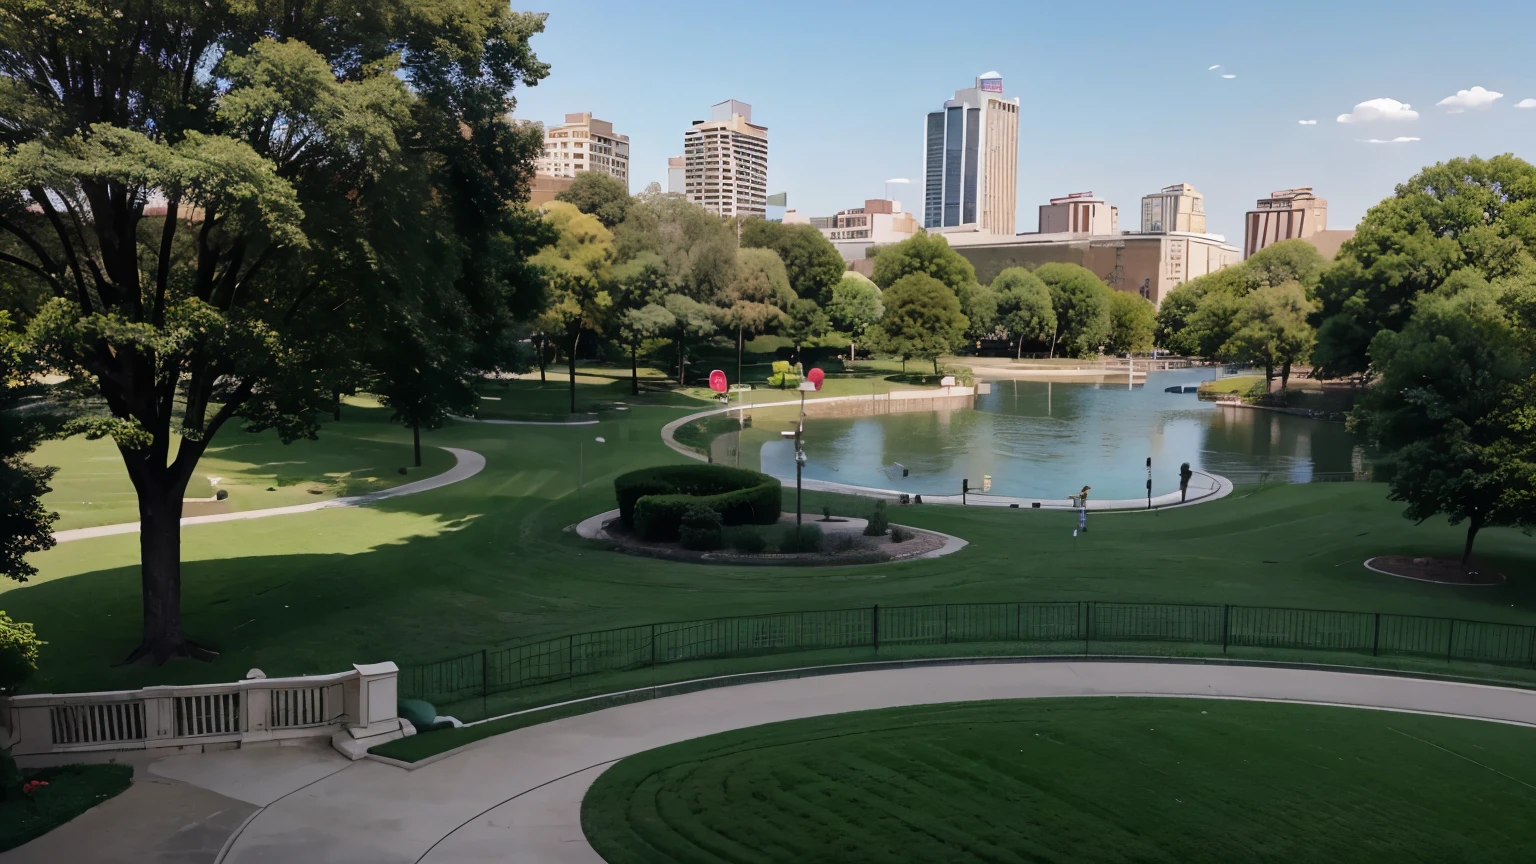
(826, 513)
(879, 523)
(652, 501)
(900, 534)
(700, 529)
(807, 539)
(221, 495)
(749, 541)
(18, 654)
(832, 544)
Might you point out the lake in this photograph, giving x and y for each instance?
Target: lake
(1047, 440)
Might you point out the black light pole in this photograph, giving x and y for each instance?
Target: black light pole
(1149, 482)
(799, 459)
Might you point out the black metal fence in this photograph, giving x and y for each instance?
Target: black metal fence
(1042, 628)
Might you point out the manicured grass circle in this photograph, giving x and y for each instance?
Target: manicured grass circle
(1078, 780)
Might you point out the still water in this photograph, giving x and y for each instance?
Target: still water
(1048, 440)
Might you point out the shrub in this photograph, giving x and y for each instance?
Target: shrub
(748, 540)
(900, 534)
(700, 529)
(806, 539)
(832, 544)
(826, 513)
(18, 654)
(879, 523)
(652, 501)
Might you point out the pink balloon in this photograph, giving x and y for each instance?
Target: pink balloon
(717, 381)
(816, 376)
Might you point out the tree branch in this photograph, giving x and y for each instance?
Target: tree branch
(83, 295)
(33, 268)
(163, 268)
(43, 257)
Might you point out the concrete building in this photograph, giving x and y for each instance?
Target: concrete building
(1079, 213)
(584, 143)
(726, 162)
(676, 170)
(1147, 264)
(1289, 214)
(1173, 209)
(1328, 242)
(854, 230)
(544, 188)
(971, 160)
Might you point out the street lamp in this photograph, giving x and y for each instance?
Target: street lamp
(804, 388)
(581, 460)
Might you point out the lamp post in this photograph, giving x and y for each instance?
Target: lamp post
(581, 461)
(1149, 482)
(805, 387)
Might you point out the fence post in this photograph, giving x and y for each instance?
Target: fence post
(1088, 625)
(1226, 626)
(485, 679)
(946, 623)
(1450, 640)
(653, 646)
(874, 626)
(1376, 636)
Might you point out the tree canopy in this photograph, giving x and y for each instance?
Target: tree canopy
(855, 305)
(929, 254)
(238, 210)
(1287, 261)
(1024, 308)
(578, 268)
(1470, 213)
(1082, 305)
(1133, 323)
(812, 262)
(922, 319)
(600, 194)
(25, 419)
(1271, 329)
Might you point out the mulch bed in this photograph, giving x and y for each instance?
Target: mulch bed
(867, 550)
(1441, 570)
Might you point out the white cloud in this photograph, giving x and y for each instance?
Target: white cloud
(1526, 103)
(1401, 139)
(1374, 110)
(1307, 122)
(1213, 68)
(1475, 99)
(1229, 76)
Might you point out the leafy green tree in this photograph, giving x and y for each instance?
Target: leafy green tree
(1024, 307)
(323, 172)
(813, 263)
(697, 247)
(1287, 261)
(1195, 318)
(19, 648)
(855, 306)
(1452, 414)
(806, 323)
(691, 321)
(638, 328)
(757, 298)
(579, 271)
(922, 320)
(1133, 322)
(1272, 330)
(1081, 302)
(924, 253)
(26, 418)
(1465, 213)
(599, 194)
(978, 303)
(638, 286)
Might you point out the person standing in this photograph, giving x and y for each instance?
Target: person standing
(1184, 475)
(1081, 500)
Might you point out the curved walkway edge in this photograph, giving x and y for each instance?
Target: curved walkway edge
(468, 464)
(517, 796)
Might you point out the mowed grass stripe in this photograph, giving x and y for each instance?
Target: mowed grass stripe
(1079, 780)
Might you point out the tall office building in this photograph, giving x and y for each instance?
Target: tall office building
(583, 143)
(971, 159)
(726, 161)
(677, 170)
(1289, 214)
(1173, 209)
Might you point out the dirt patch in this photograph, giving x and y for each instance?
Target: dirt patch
(1441, 570)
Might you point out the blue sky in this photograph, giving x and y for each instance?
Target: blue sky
(1115, 97)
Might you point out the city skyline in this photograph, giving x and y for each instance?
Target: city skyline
(846, 99)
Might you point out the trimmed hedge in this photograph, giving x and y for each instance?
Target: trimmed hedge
(652, 501)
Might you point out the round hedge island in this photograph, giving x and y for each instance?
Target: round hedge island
(653, 501)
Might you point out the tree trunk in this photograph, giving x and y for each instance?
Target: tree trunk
(852, 350)
(543, 345)
(416, 442)
(634, 370)
(571, 365)
(1473, 526)
(1285, 373)
(1054, 334)
(336, 409)
(935, 365)
(680, 363)
(160, 494)
(1269, 372)
(1019, 354)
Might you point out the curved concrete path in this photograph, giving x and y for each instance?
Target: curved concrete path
(468, 465)
(517, 797)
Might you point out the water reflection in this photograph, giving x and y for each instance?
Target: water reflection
(1048, 439)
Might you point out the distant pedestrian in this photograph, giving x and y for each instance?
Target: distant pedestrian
(1080, 500)
(1184, 475)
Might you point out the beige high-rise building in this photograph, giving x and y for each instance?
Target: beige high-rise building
(971, 160)
(1173, 209)
(584, 143)
(677, 175)
(726, 162)
(1289, 214)
(1079, 213)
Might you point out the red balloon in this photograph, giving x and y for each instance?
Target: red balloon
(717, 381)
(816, 376)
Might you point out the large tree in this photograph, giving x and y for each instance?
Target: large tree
(1452, 412)
(855, 306)
(978, 303)
(227, 200)
(1287, 261)
(1465, 213)
(813, 263)
(1133, 322)
(1081, 301)
(1024, 307)
(578, 268)
(922, 320)
(600, 194)
(639, 285)
(924, 253)
(1271, 330)
(1196, 317)
(26, 417)
(757, 298)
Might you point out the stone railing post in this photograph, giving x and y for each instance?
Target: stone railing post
(371, 700)
(257, 709)
(159, 714)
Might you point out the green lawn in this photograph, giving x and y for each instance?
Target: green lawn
(1232, 384)
(1078, 780)
(487, 561)
(363, 453)
(71, 790)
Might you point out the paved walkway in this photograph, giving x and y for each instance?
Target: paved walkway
(468, 465)
(517, 797)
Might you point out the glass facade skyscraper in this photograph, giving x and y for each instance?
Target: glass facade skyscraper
(971, 152)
